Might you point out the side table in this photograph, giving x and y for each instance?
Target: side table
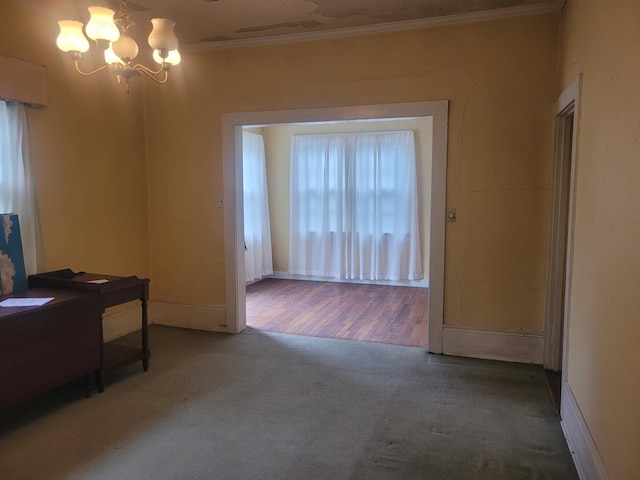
(112, 290)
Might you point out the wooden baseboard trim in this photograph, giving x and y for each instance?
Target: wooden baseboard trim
(583, 449)
(199, 317)
(493, 344)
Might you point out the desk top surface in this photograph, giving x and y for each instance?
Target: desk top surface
(60, 297)
(92, 282)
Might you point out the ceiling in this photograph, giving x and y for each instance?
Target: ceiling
(224, 23)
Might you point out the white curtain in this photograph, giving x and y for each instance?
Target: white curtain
(257, 230)
(17, 193)
(354, 207)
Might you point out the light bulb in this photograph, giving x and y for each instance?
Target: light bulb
(111, 58)
(71, 38)
(173, 57)
(162, 36)
(101, 25)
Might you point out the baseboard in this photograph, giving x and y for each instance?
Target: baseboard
(199, 317)
(119, 322)
(583, 449)
(493, 344)
(424, 283)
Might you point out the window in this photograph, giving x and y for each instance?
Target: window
(354, 206)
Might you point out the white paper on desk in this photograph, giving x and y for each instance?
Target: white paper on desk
(102, 280)
(25, 302)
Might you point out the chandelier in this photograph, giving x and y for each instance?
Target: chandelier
(112, 36)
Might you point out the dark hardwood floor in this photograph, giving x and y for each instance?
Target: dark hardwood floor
(369, 313)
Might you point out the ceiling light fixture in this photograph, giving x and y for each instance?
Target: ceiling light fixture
(112, 35)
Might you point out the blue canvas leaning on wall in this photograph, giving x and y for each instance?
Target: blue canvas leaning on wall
(13, 277)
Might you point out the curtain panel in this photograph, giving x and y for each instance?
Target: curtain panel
(257, 230)
(354, 207)
(17, 189)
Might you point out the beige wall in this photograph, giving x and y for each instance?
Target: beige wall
(500, 144)
(89, 148)
(89, 154)
(277, 149)
(604, 365)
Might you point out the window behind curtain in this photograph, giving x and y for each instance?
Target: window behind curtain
(16, 185)
(354, 212)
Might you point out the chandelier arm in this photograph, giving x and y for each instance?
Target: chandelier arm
(153, 74)
(86, 74)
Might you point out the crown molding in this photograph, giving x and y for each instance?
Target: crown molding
(548, 7)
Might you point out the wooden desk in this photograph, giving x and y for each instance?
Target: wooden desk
(115, 291)
(46, 346)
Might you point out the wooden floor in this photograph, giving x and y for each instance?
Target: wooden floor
(369, 313)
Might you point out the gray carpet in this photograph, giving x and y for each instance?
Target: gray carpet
(273, 406)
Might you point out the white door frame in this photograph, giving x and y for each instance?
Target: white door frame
(561, 232)
(576, 431)
(232, 124)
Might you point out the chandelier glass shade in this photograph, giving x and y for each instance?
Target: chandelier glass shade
(110, 33)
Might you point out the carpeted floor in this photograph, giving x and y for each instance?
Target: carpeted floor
(274, 406)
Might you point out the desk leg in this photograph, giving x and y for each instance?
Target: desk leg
(99, 380)
(87, 385)
(145, 337)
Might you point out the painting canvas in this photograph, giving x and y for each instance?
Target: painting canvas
(13, 277)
